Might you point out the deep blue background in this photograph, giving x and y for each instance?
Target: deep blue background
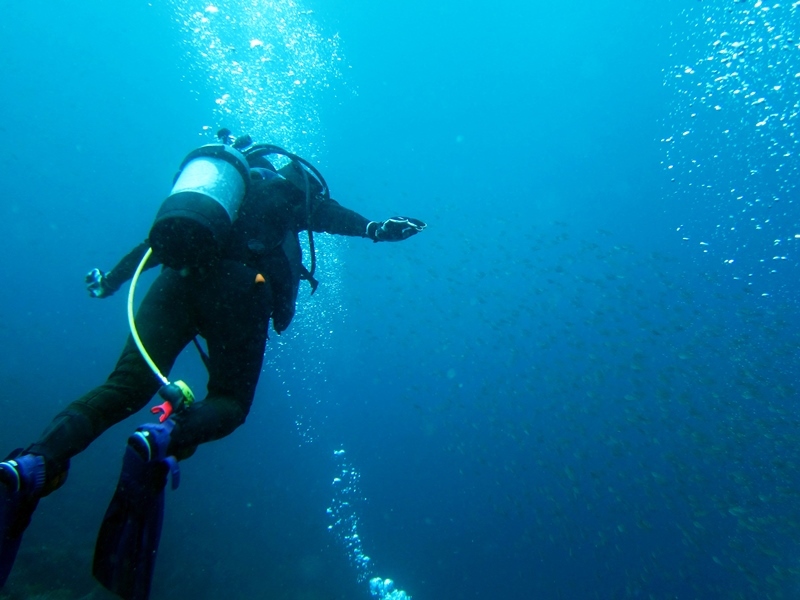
(547, 394)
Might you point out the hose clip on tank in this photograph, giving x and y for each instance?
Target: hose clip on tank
(177, 396)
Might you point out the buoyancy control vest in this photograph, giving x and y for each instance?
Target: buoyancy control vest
(265, 238)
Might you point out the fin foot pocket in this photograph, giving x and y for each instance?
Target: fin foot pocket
(22, 477)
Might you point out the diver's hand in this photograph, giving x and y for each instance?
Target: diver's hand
(97, 284)
(395, 229)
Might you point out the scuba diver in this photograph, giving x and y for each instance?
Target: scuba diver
(227, 238)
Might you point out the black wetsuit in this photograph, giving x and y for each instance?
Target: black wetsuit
(226, 305)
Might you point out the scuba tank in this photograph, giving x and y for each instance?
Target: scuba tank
(193, 222)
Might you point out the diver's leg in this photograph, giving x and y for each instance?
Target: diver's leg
(232, 312)
(165, 325)
(233, 316)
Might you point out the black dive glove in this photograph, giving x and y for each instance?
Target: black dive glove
(395, 229)
(97, 284)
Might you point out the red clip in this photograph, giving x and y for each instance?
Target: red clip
(165, 409)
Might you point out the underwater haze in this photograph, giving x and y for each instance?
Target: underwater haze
(580, 381)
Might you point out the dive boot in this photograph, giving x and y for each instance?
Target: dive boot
(22, 478)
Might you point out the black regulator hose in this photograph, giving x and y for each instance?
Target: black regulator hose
(305, 167)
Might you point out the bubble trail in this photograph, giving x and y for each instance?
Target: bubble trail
(343, 513)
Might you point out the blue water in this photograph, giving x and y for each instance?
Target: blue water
(579, 382)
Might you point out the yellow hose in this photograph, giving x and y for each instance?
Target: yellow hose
(132, 323)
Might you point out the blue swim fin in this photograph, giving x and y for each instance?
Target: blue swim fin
(125, 553)
(21, 480)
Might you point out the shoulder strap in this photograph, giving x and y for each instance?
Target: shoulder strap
(202, 352)
(307, 275)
